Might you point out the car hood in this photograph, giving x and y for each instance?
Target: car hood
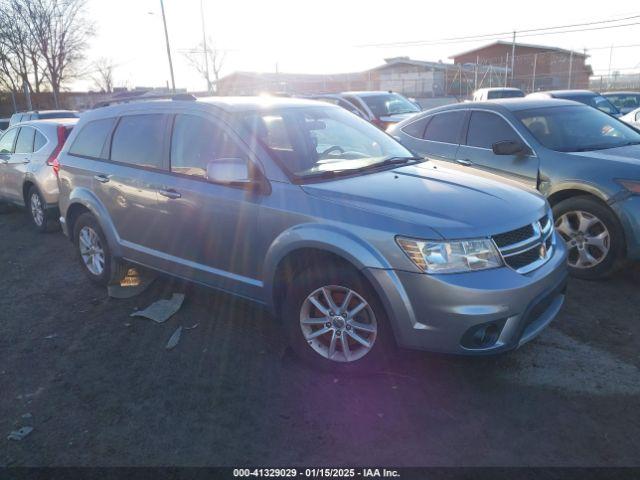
(453, 203)
(629, 154)
(397, 118)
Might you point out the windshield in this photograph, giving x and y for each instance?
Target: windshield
(493, 94)
(389, 104)
(596, 101)
(320, 140)
(624, 101)
(577, 129)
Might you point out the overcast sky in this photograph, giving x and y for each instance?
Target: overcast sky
(319, 36)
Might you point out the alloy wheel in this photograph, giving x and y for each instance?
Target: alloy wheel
(338, 323)
(37, 209)
(91, 250)
(587, 237)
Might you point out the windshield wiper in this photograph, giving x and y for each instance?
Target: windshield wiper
(395, 160)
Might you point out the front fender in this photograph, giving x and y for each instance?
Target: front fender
(89, 200)
(327, 238)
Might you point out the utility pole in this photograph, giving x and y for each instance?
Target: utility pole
(166, 37)
(610, 62)
(506, 69)
(533, 79)
(570, 68)
(206, 51)
(513, 55)
(475, 80)
(27, 95)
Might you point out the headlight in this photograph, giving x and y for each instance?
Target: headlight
(451, 257)
(631, 185)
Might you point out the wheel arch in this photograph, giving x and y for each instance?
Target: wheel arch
(569, 190)
(82, 201)
(307, 246)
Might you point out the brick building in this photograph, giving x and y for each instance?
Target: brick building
(535, 67)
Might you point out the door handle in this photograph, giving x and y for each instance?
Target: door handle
(465, 162)
(170, 193)
(101, 178)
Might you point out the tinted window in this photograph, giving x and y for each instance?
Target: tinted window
(59, 115)
(197, 141)
(6, 142)
(138, 140)
(24, 144)
(445, 127)
(486, 128)
(91, 139)
(505, 94)
(416, 129)
(39, 141)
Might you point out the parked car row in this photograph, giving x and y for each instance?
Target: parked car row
(585, 162)
(356, 243)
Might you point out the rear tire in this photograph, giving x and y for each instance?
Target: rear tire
(94, 253)
(304, 321)
(41, 217)
(593, 235)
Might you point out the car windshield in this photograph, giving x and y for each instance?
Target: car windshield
(596, 101)
(389, 104)
(577, 129)
(323, 141)
(493, 94)
(627, 101)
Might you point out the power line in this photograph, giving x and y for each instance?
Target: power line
(526, 32)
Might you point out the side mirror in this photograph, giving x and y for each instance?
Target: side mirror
(229, 171)
(509, 147)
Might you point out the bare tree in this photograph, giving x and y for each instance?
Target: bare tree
(20, 56)
(103, 74)
(60, 31)
(214, 60)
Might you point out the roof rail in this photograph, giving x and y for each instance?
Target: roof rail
(144, 98)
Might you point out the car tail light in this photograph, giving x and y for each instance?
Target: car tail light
(63, 133)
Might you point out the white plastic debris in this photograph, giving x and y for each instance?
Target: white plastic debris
(162, 310)
(18, 435)
(175, 338)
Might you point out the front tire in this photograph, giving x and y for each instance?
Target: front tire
(593, 235)
(94, 253)
(334, 320)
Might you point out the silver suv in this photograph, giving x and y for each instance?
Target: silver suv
(304, 207)
(28, 154)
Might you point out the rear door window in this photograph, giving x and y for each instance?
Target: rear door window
(416, 129)
(24, 144)
(91, 140)
(139, 140)
(445, 127)
(487, 128)
(39, 141)
(197, 141)
(7, 141)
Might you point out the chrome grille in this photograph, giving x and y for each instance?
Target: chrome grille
(528, 247)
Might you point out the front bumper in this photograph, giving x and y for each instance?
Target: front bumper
(628, 211)
(441, 313)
